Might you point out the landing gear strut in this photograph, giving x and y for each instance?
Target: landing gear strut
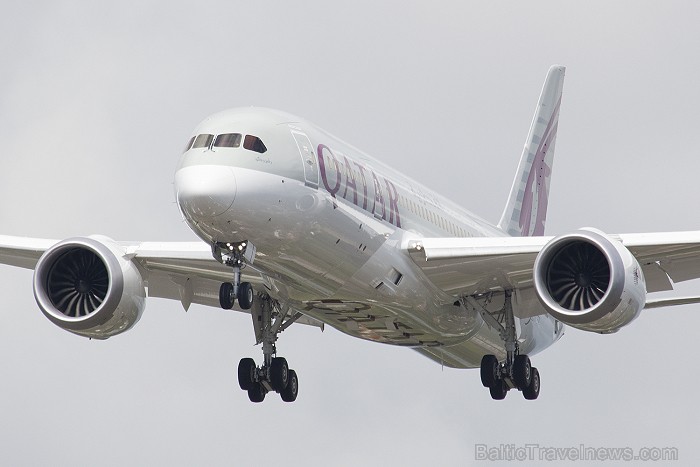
(516, 372)
(235, 255)
(269, 319)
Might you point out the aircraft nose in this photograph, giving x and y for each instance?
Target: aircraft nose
(205, 191)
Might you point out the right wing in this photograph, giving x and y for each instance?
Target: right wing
(468, 266)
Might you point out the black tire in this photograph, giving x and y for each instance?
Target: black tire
(246, 370)
(256, 393)
(279, 374)
(522, 368)
(533, 390)
(289, 394)
(498, 390)
(489, 370)
(245, 295)
(226, 297)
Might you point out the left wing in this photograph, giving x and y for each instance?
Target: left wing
(468, 266)
(182, 271)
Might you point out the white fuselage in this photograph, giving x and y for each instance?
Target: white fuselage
(331, 225)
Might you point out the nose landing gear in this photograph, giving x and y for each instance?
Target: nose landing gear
(235, 255)
(228, 295)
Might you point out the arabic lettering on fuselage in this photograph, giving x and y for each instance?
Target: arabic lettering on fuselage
(358, 184)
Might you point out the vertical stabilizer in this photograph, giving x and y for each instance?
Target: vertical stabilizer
(526, 211)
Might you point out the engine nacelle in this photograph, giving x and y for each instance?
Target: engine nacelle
(86, 286)
(589, 281)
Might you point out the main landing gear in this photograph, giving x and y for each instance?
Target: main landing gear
(516, 372)
(269, 319)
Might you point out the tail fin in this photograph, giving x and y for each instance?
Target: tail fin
(526, 211)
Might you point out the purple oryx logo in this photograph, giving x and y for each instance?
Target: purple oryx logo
(537, 181)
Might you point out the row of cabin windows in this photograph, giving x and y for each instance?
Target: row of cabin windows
(226, 140)
(430, 216)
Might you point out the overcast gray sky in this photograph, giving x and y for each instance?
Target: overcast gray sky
(98, 98)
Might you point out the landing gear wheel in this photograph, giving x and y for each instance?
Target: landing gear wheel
(279, 374)
(246, 370)
(533, 390)
(245, 295)
(498, 390)
(226, 297)
(516, 371)
(270, 317)
(521, 371)
(256, 393)
(489, 370)
(289, 394)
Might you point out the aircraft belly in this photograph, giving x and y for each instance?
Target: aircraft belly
(388, 300)
(534, 335)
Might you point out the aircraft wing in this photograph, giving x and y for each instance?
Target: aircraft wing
(182, 271)
(466, 266)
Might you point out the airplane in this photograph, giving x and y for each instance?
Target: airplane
(297, 226)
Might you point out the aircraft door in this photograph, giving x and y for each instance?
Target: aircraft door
(308, 157)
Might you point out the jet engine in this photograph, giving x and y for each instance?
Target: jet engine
(87, 286)
(589, 281)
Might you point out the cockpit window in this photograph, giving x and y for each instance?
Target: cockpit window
(189, 144)
(202, 141)
(228, 140)
(253, 143)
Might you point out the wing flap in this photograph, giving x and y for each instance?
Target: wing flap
(682, 270)
(664, 302)
(656, 278)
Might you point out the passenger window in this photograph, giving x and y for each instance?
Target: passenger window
(228, 140)
(253, 143)
(189, 144)
(202, 141)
